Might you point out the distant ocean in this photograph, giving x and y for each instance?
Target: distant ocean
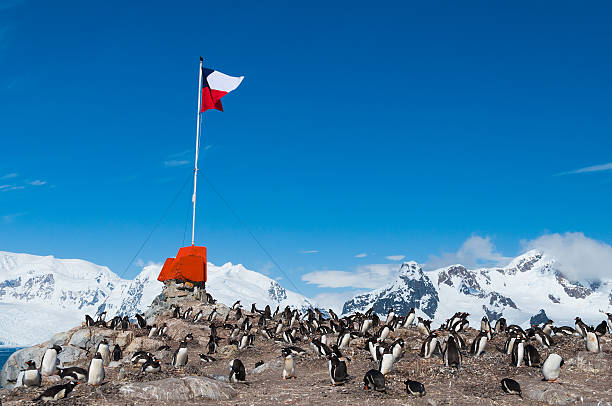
(5, 353)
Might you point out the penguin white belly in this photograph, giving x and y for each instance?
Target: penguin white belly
(181, 357)
(384, 334)
(373, 351)
(429, 349)
(551, 369)
(345, 341)
(366, 326)
(31, 377)
(331, 372)
(49, 363)
(96, 372)
(153, 332)
(105, 352)
(520, 352)
(386, 364)
(397, 352)
(592, 343)
(289, 368)
(324, 339)
(409, 320)
(482, 344)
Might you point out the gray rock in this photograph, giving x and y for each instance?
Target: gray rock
(16, 363)
(60, 339)
(549, 393)
(122, 374)
(81, 338)
(71, 355)
(124, 338)
(593, 363)
(178, 389)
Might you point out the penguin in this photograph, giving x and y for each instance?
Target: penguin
(288, 365)
(151, 366)
(212, 345)
(422, 327)
(199, 315)
(295, 350)
(237, 371)
(163, 330)
(31, 376)
(601, 328)
(287, 337)
(592, 341)
(429, 345)
(398, 349)
(452, 356)
(374, 379)
(73, 373)
(415, 388)
(373, 348)
(390, 316)
(511, 386)
(49, 362)
(337, 370)
(57, 392)
(209, 299)
(333, 315)
(508, 347)
(141, 357)
(324, 339)
(384, 331)
(385, 364)
(548, 327)
(518, 352)
(500, 325)
(543, 338)
(95, 375)
(206, 358)
(365, 325)
(188, 338)
(238, 315)
(564, 330)
(125, 323)
(552, 367)
(531, 357)
(244, 342)
(180, 357)
(176, 313)
(212, 315)
(236, 305)
(163, 348)
(409, 318)
(479, 344)
(153, 331)
(117, 353)
(187, 314)
(142, 323)
(104, 350)
(581, 328)
(344, 339)
(485, 325)
(609, 322)
(89, 322)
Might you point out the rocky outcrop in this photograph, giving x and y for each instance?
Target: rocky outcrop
(178, 389)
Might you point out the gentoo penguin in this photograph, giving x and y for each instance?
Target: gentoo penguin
(374, 379)
(209, 299)
(422, 327)
(564, 330)
(31, 376)
(198, 316)
(212, 315)
(518, 352)
(104, 350)
(609, 322)
(151, 366)
(544, 339)
(163, 348)
(49, 362)
(57, 392)
(509, 346)
(237, 371)
(187, 314)
(176, 313)
(390, 316)
(398, 349)
(552, 367)
(452, 356)
(485, 325)
(89, 322)
(365, 325)
(415, 388)
(153, 331)
(125, 323)
(383, 333)
(236, 305)
(179, 359)
(500, 325)
(581, 328)
(142, 323)
(73, 373)
(140, 357)
(601, 328)
(206, 358)
(479, 344)
(333, 315)
(548, 327)
(288, 365)
(163, 330)
(511, 386)
(117, 353)
(429, 345)
(188, 338)
(592, 341)
(337, 370)
(531, 357)
(344, 339)
(385, 364)
(95, 375)
(409, 318)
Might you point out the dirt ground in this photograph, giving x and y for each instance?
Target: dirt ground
(476, 382)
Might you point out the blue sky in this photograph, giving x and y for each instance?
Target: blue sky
(405, 130)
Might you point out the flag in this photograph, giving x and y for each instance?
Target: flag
(215, 85)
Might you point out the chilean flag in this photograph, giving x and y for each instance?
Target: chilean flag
(216, 85)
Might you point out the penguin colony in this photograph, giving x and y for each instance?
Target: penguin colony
(312, 329)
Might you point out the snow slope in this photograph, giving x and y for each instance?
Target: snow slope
(517, 291)
(43, 295)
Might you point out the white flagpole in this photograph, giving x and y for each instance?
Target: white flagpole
(197, 150)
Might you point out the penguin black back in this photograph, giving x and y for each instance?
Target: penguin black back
(511, 386)
(374, 379)
(415, 388)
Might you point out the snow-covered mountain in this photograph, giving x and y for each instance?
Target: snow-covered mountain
(529, 283)
(42, 295)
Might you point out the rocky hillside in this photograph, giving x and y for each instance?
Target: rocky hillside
(518, 291)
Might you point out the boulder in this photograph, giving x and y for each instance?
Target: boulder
(549, 393)
(124, 338)
(81, 338)
(60, 339)
(178, 389)
(71, 355)
(16, 363)
(141, 344)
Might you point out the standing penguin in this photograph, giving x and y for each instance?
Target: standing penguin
(592, 341)
(500, 325)
(581, 328)
(485, 325)
(237, 371)
(511, 386)
(31, 376)
(104, 350)
(288, 365)
(398, 349)
(429, 345)
(142, 323)
(95, 375)
(531, 357)
(337, 370)
(49, 362)
(374, 379)
(452, 356)
(409, 318)
(117, 353)
(479, 344)
(552, 367)
(180, 358)
(385, 365)
(518, 351)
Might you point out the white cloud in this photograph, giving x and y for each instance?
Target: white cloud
(395, 257)
(309, 252)
(38, 182)
(362, 255)
(6, 188)
(594, 168)
(365, 277)
(475, 252)
(9, 176)
(579, 257)
(176, 162)
(336, 300)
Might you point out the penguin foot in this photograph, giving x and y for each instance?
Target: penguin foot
(552, 381)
